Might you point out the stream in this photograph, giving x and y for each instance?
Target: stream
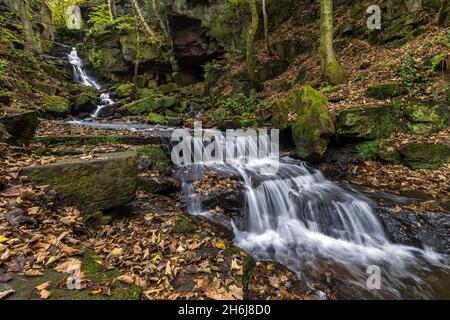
(306, 222)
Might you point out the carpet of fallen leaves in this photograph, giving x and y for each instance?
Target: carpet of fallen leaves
(155, 246)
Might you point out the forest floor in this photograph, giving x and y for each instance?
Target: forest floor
(152, 249)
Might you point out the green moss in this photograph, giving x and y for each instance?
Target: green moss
(155, 118)
(314, 126)
(56, 105)
(169, 87)
(384, 90)
(424, 119)
(183, 225)
(368, 150)
(104, 220)
(142, 106)
(125, 90)
(335, 74)
(424, 155)
(83, 99)
(369, 122)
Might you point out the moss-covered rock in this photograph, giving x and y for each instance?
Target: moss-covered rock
(156, 118)
(314, 126)
(85, 102)
(424, 119)
(56, 105)
(20, 126)
(369, 122)
(90, 185)
(125, 90)
(424, 155)
(141, 106)
(168, 88)
(384, 90)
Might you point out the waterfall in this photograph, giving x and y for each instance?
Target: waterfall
(80, 76)
(306, 222)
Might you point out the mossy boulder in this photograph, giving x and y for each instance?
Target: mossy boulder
(56, 105)
(18, 126)
(314, 126)
(85, 102)
(156, 118)
(284, 112)
(424, 155)
(368, 122)
(125, 90)
(168, 88)
(424, 119)
(384, 90)
(90, 185)
(141, 106)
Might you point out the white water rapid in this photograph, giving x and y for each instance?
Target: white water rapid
(80, 76)
(309, 224)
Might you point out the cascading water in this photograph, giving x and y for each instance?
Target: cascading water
(80, 76)
(307, 223)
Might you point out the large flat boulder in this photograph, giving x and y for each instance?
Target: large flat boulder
(19, 125)
(91, 185)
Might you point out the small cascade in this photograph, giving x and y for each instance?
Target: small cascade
(307, 223)
(80, 76)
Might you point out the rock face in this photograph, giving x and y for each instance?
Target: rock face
(418, 229)
(90, 185)
(312, 129)
(368, 122)
(20, 126)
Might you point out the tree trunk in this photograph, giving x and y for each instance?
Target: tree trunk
(136, 59)
(141, 16)
(250, 46)
(162, 25)
(266, 27)
(110, 9)
(331, 69)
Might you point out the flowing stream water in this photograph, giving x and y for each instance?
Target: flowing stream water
(308, 223)
(80, 76)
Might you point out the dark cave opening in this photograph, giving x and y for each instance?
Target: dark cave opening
(193, 48)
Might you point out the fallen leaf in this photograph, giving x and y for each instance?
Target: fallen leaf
(4, 294)
(43, 286)
(44, 294)
(3, 239)
(125, 279)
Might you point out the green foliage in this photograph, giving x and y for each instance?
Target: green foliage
(100, 16)
(368, 150)
(237, 3)
(415, 76)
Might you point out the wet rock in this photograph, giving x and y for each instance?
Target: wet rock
(90, 185)
(417, 229)
(20, 125)
(109, 111)
(312, 129)
(174, 121)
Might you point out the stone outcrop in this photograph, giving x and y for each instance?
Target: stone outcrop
(90, 185)
(18, 126)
